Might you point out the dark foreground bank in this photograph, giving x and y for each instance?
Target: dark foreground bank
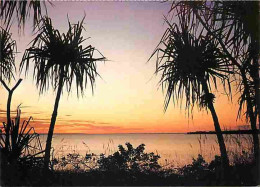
(128, 166)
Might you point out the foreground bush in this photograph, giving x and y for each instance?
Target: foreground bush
(130, 159)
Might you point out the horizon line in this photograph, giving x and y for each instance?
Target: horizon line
(120, 133)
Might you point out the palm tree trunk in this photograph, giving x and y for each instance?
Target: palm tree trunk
(222, 146)
(8, 119)
(253, 119)
(8, 116)
(52, 124)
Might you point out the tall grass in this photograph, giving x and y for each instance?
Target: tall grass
(239, 147)
(67, 156)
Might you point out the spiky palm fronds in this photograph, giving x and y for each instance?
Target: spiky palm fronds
(235, 24)
(246, 95)
(187, 59)
(21, 10)
(61, 56)
(7, 54)
(24, 141)
(239, 19)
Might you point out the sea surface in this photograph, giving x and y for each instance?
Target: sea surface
(177, 149)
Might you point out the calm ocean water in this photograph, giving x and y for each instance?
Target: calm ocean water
(178, 149)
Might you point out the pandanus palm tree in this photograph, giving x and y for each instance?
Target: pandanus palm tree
(59, 59)
(190, 62)
(241, 18)
(235, 24)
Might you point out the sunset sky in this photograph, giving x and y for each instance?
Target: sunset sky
(128, 98)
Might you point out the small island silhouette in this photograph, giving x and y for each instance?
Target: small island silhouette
(225, 132)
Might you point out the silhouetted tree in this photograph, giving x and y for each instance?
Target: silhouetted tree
(190, 62)
(59, 59)
(235, 25)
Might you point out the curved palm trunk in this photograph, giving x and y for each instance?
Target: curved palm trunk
(52, 124)
(222, 146)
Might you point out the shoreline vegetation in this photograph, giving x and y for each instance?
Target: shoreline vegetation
(127, 166)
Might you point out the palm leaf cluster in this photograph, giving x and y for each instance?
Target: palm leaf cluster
(7, 54)
(25, 143)
(21, 10)
(238, 20)
(235, 24)
(189, 59)
(61, 57)
(240, 24)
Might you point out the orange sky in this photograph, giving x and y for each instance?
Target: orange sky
(127, 99)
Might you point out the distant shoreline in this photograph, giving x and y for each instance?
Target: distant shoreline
(225, 132)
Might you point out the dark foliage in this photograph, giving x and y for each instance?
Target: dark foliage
(197, 169)
(24, 141)
(24, 151)
(183, 75)
(130, 159)
(198, 173)
(7, 54)
(56, 56)
(21, 10)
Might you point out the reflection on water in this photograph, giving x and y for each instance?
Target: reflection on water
(178, 149)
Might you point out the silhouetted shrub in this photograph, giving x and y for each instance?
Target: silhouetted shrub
(130, 159)
(197, 169)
